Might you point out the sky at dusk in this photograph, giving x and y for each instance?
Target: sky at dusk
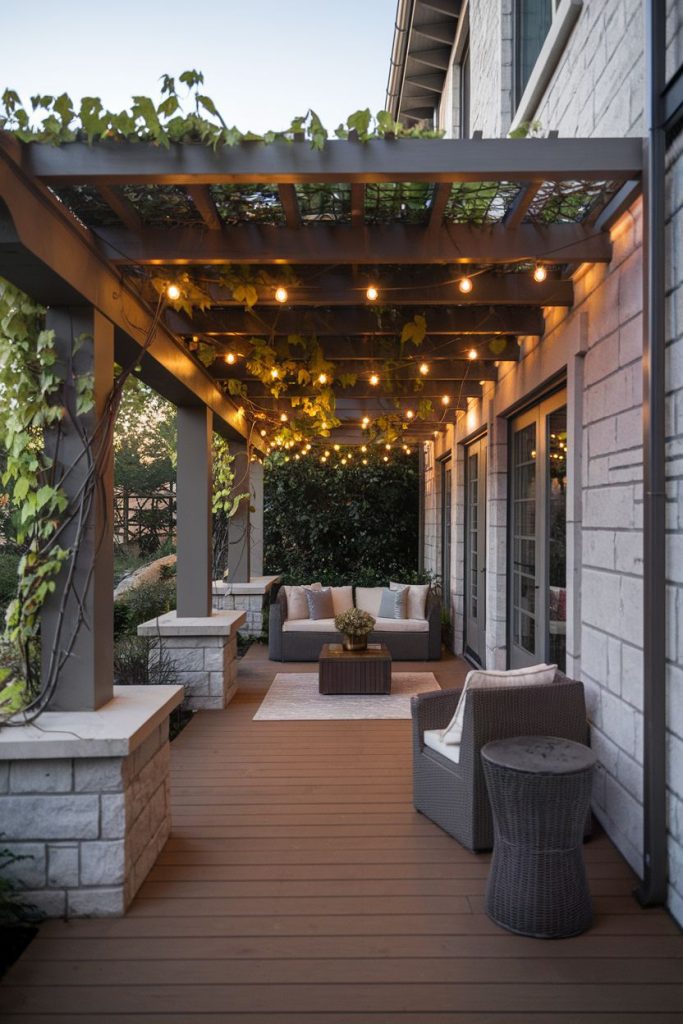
(264, 61)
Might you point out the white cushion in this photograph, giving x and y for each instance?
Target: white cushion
(401, 626)
(309, 626)
(536, 675)
(342, 599)
(368, 599)
(433, 738)
(297, 605)
(417, 598)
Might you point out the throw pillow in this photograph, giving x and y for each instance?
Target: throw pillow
(393, 603)
(417, 599)
(320, 604)
(536, 675)
(297, 605)
(368, 599)
(342, 599)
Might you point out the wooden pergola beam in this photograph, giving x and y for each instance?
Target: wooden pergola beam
(360, 320)
(372, 396)
(377, 244)
(438, 160)
(201, 197)
(357, 204)
(521, 203)
(439, 370)
(290, 205)
(121, 206)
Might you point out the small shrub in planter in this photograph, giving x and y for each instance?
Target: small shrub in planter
(142, 661)
(148, 601)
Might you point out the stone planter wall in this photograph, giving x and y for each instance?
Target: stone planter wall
(251, 598)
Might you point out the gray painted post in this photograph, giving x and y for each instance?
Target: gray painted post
(256, 521)
(239, 554)
(85, 682)
(193, 518)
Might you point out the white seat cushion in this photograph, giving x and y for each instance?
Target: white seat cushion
(368, 599)
(536, 675)
(417, 598)
(433, 738)
(297, 605)
(342, 599)
(401, 626)
(309, 626)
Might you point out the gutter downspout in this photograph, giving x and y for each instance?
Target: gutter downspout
(404, 18)
(653, 890)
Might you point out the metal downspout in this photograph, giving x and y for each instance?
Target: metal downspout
(653, 890)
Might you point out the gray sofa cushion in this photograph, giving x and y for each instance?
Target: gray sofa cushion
(393, 603)
(320, 605)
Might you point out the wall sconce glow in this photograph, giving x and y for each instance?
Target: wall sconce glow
(281, 294)
(445, 399)
(465, 285)
(230, 358)
(540, 273)
(322, 378)
(374, 380)
(424, 369)
(372, 293)
(173, 292)
(472, 354)
(283, 417)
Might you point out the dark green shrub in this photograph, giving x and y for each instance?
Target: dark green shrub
(148, 601)
(142, 661)
(9, 564)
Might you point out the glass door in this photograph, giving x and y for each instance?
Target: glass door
(446, 482)
(538, 532)
(475, 550)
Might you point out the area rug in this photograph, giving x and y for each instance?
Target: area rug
(294, 696)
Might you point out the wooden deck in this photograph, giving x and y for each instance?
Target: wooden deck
(300, 887)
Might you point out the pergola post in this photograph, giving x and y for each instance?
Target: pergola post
(193, 522)
(256, 519)
(78, 623)
(239, 554)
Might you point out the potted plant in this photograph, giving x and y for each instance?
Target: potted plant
(356, 625)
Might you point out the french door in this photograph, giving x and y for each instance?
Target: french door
(538, 534)
(475, 550)
(446, 490)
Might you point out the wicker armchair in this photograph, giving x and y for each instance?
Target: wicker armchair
(454, 795)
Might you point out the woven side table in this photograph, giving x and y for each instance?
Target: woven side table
(539, 788)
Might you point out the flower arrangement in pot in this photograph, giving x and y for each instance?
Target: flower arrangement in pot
(356, 625)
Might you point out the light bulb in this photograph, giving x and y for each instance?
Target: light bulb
(363, 448)
(472, 354)
(436, 433)
(230, 358)
(323, 459)
(424, 369)
(274, 373)
(388, 447)
(343, 462)
(297, 456)
(445, 399)
(281, 294)
(540, 273)
(308, 447)
(374, 379)
(323, 425)
(173, 292)
(365, 462)
(407, 451)
(322, 378)
(263, 433)
(336, 447)
(283, 417)
(327, 454)
(465, 285)
(372, 293)
(386, 458)
(365, 421)
(409, 414)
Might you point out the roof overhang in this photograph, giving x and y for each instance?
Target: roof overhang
(424, 34)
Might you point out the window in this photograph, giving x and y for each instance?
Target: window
(446, 489)
(532, 22)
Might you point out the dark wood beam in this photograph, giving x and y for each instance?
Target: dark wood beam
(408, 399)
(122, 207)
(335, 244)
(439, 370)
(121, 163)
(201, 197)
(423, 83)
(436, 57)
(521, 203)
(618, 205)
(438, 31)
(440, 199)
(357, 205)
(361, 320)
(411, 286)
(290, 204)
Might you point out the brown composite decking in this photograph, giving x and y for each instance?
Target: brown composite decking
(300, 887)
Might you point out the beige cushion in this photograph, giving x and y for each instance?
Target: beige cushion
(401, 626)
(368, 599)
(536, 675)
(309, 626)
(297, 605)
(433, 738)
(342, 599)
(417, 598)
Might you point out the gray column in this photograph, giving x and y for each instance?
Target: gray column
(256, 520)
(238, 547)
(193, 516)
(77, 620)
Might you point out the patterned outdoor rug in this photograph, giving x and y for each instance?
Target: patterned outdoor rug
(295, 696)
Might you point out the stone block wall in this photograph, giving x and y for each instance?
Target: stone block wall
(205, 666)
(252, 605)
(90, 827)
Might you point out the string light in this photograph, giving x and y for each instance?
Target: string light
(374, 380)
(372, 293)
(388, 447)
(408, 450)
(230, 358)
(363, 448)
(308, 447)
(386, 458)
(263, 433)
(322, 378)
(409, 414)
(343, 462)
(424, 369)
(465, 285)
(365, 462)
(445, 400)
(281, 294)
(336, 447)
(323, 458)
(297, 456)
(365, 421)
(472, 354)
(540, 273)
(275, 373)
(173, 292)
(283, 417)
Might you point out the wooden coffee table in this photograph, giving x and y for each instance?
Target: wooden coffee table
(341, 671)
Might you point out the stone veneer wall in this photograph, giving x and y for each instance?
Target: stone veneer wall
(91, 827)
(206, 667)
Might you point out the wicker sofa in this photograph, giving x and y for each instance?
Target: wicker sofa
(302, 639)
(453, 795)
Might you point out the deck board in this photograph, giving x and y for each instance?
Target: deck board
(300, 885)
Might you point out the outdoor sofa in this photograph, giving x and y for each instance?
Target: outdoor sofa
(417, 638)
